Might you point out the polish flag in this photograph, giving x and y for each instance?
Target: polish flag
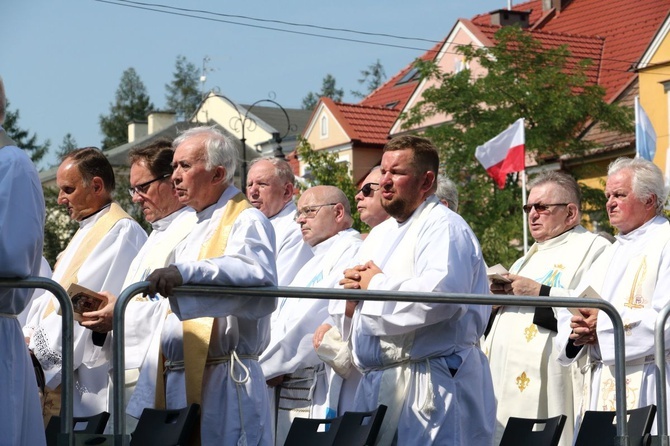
(504, 154)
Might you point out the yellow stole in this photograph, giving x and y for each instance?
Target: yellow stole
(198, 332)
(52, 398)
(88, 244)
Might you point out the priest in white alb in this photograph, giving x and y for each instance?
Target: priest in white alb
(270, 189)
(21, 237)
(527, 379)
(97, 258)
(211, 344)
(633, 274)
(421, 360)
(290, 362)
(152, 189)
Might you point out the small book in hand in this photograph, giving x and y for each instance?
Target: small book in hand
(587, 292)
(84, 300)
(497, 273)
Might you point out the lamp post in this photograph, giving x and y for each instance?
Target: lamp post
(241, 122)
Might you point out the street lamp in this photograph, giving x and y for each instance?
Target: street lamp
(241, 122)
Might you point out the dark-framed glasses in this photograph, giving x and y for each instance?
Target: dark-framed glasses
(144, 187)
(367, 189)
(540, 208)
(310, 211)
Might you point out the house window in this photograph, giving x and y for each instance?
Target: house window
(411, 75)
(324, 126)
(460, 65)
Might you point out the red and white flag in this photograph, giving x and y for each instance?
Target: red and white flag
(504, 154)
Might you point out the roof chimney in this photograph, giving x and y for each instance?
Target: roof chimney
(136, 130)
(559, 5)
(506, 17)
(159, 120)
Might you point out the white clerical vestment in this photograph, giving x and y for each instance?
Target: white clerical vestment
(232, 407)
(423, 360)
(634, 275)
(144, 317)
(527, 378)
(21, 237)
(304, 392)
(104, 269)
(292, 251)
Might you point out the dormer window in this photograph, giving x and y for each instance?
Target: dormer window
(411, 75)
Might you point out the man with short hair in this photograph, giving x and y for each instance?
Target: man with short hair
(421, 360)
(152, 189)
(270, 186)
(97, 258)
(290, 362)
(527, 379)
(633, 274)
(368, 199)
(447, 192)
(21, 239)
(211, 344)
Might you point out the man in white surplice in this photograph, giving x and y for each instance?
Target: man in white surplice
(527, 379)
(152, 189)
(211, 343)
(331, 339)
(290, 362)
(421, 360)
(97, 258)
(21, 237)
(270, 185)
(634, 275)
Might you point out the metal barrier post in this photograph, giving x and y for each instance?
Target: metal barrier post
(622, 438)
(661, 391)
(67, 364)
(119, 360)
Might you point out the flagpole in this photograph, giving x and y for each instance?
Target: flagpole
(637, 123)
(523, 214)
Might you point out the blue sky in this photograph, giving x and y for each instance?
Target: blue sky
(62, 60)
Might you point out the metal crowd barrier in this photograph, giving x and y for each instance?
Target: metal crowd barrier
(118, 375)
(661, 391)
(67, 368)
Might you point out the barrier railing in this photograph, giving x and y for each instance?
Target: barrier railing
(661, 391)
(118, 375)
(67, 368)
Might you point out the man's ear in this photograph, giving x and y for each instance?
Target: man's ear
(573, 215)
(219, 174)
(288, 192)
(98, 185)
(428, 181)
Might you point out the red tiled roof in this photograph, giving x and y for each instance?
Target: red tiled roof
(393, 93)
(580, 47)
(368, 125)
(627, 27)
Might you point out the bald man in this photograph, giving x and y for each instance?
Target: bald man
(290, 362)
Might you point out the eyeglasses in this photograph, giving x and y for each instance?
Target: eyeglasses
(144, 187)
(367, 189)
(540, 208)
(310, 211)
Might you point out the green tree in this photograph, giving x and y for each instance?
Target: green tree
(324, 169)
(182, 93)
(23, 138)
(131, 103)
(372, 77)
(548, 88)
(328, 89)
(66, 146)
(58, 227)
